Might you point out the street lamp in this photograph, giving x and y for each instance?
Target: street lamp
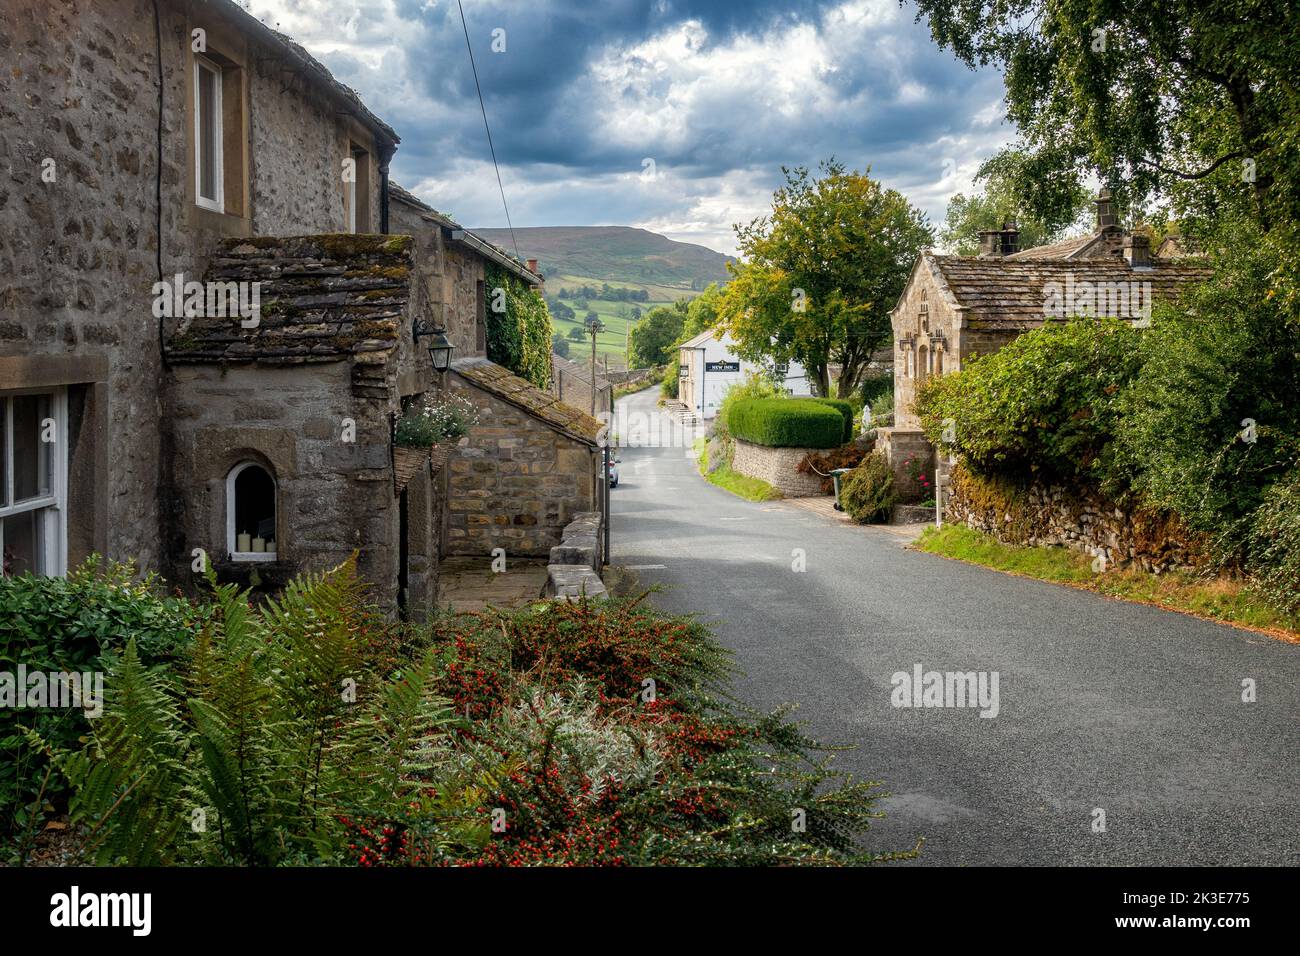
(439, 346)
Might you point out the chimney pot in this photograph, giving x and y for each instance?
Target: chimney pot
(1105, 203)
(1137, 251)
(1010, 238)
(990, 243)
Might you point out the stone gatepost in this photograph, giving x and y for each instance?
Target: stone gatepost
(904, 448)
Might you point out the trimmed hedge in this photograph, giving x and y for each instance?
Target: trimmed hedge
(786, 423)
(845, 409)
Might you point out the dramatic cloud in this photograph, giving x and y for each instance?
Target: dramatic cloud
(674, 116)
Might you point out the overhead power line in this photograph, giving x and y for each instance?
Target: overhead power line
(491, 148)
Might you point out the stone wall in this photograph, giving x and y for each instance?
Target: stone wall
(78, 255)
(903, 447)
(332, 495)
(449, 278)
(1081, 520)
(516, 483)
(777, 466)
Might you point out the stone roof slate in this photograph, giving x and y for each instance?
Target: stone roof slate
(323, 299)
(1009, 293)
(545, 407)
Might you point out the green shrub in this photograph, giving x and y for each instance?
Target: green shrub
(786, 423)
(80, 623)
(1224, 354)
(882, 408)
(846, 409)
(1047, 403)
(541, 712)
(668, 384)
(874, 387)
(867, 492)
(1274, 547)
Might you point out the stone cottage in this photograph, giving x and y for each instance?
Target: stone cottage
(208, 327)
(956, 307)
(532, 461)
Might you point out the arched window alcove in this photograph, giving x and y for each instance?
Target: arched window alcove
(251, 513)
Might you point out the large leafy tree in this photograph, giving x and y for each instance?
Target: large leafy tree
(653, 338)
(1188, 105)
(1016, 186)
(821, 273)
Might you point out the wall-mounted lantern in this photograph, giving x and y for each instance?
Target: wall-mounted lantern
(439, 346)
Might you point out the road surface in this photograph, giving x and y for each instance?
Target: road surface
(1103, 705)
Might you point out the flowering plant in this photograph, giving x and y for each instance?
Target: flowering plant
(436, 420)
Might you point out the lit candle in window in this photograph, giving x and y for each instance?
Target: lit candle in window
(243, 543)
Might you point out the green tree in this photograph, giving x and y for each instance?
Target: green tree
(560, 345)
(702, 311)
(1014, 187)
(822, 272)
(1180, 103)
(576, 334)
(653, 338)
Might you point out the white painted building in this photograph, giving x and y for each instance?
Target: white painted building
(708, 365)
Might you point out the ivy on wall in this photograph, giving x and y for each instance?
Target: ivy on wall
(518, 327)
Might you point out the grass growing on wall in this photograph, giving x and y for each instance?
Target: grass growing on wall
(1219, 599)
(742, 486)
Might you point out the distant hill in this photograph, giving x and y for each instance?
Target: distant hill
(615, 254)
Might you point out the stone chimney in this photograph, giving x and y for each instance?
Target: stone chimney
(1105, 203)
(1137, 251)
(990, 243)
(532, 266)
(1010, 238)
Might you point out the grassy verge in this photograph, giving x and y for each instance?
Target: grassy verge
(742, 486)
(1217, 599)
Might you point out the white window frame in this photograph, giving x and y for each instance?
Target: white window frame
(53, 558)
(218, 165)
(231, 535)
(352, 200)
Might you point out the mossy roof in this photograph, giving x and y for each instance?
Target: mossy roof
(323, 298)
(501, 383)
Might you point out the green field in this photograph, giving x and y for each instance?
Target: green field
(615, 316)
(624, 257)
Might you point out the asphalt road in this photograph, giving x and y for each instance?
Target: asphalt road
(1102, 704)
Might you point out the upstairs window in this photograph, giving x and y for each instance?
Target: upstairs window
(209, 187)
(358, 192)
(250, 513)
(33, 486)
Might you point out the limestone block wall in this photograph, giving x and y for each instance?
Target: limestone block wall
(333, 496)
(901, 446)
(81, 225)
(1080, 520)
(777, 466)
(516, 483)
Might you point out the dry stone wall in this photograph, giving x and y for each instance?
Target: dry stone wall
(1078, 519)
(777, 467)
